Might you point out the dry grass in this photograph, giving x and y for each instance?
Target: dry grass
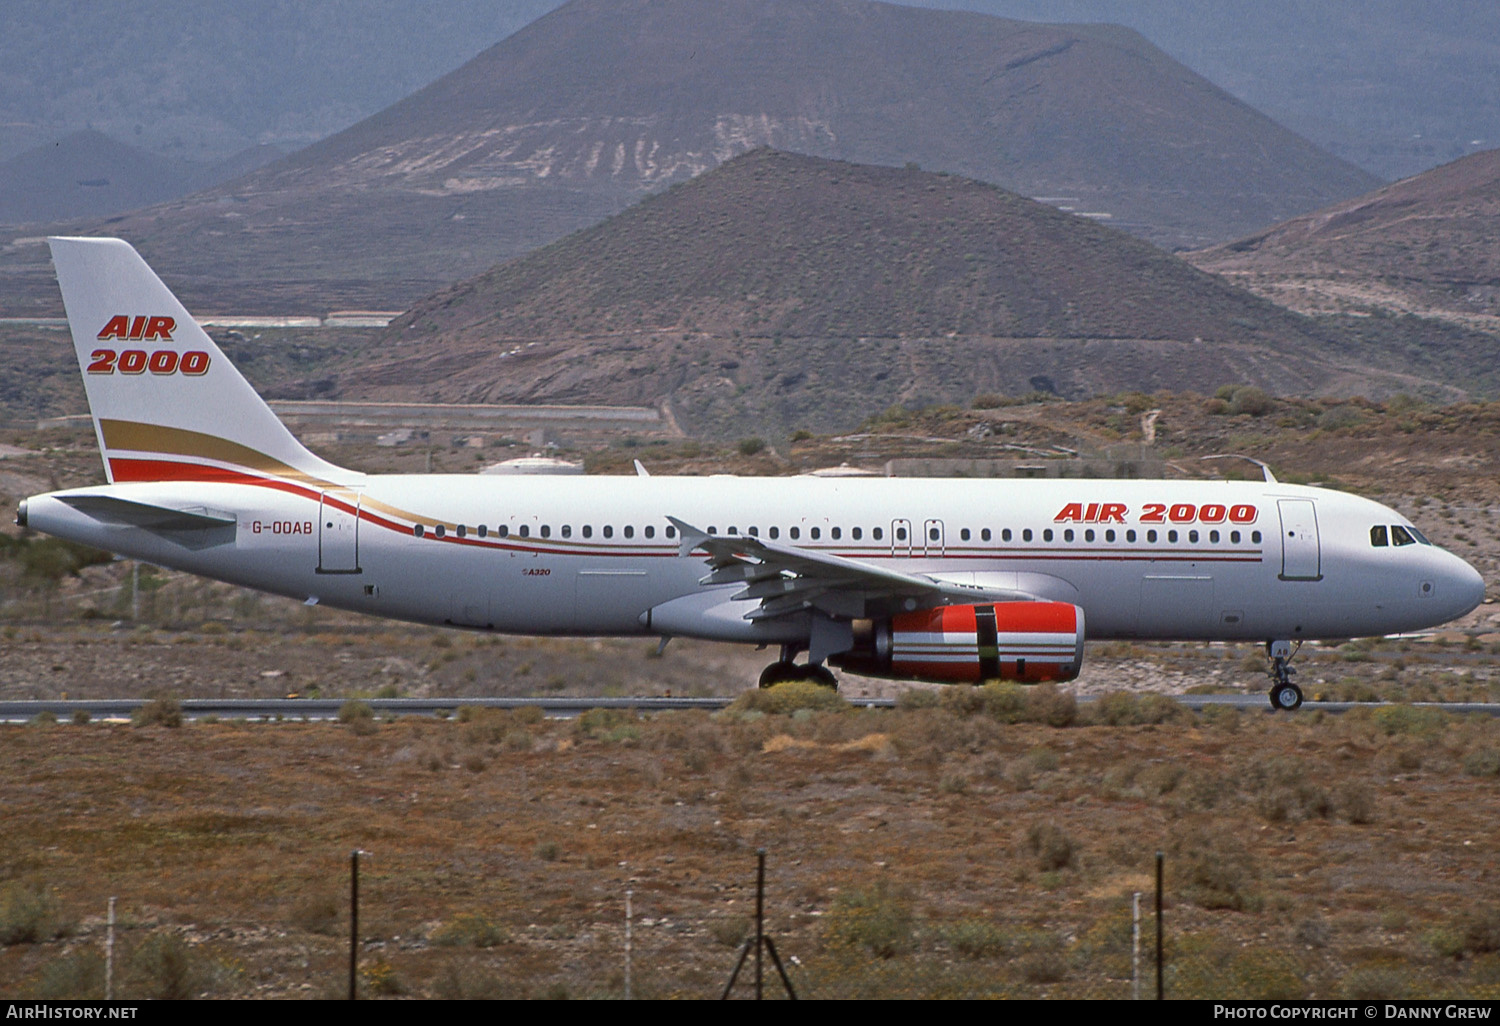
(499, 868)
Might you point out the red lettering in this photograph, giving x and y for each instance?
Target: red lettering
(159, 327)
(194, 362)
(1213, 513)
(118, 327)
(1091, 514)
(163, 361)
(1072, 511)
(132, 361)
(137, 328)
(1111, 513)
(1154, 513)
(102, 362)
(1242, 514)
(1182, 513)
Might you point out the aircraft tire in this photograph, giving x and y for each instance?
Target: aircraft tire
(1286, 697)
(780, 673)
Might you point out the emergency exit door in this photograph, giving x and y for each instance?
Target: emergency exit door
(1301, 556)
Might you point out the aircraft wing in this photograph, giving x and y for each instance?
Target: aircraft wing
(787, 579)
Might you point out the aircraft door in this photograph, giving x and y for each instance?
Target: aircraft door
(1301, 555)
(901, 537)
(933, 541)
(338, 533)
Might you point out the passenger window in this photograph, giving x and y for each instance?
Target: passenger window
(901, 534)
(1068, 535)
(463, 532)
(567, 530)
(504, 531)
(856, 533)
(794, 533)
(1109, 535)
(1047, 534)
(1399, 536)
(964, 534)
(986, 536)
(609, 532)
(629, 531)
(1151, 536)
(438, 530)
(588, 530)
(1193, 537)
(546, 531)
(671, 532)
(1088, 535)
(713, 530)
(525, 531)
(650, 532)
(835, 533)
(1026, 534)
(877, 533)
(1130, 535)
(1004, 535)
(418, 530)
(484, 531)
(775, 533)
(1172, 536)
(1255, 537)
(815, 533)
(1213, 537)
(733, 529)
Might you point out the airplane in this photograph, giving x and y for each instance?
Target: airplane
(953, 581)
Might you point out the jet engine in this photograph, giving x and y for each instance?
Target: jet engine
(1030, 642)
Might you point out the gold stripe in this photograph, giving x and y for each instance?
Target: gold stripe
(136, 437)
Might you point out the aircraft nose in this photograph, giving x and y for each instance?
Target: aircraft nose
(1462, 585)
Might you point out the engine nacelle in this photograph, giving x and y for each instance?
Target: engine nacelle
(1030, 642)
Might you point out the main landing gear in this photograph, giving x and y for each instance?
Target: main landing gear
(1284, 694)
(787, 669)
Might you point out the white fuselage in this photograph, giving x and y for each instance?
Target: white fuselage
(597, 556)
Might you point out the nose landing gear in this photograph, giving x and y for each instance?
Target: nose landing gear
(1284, 694)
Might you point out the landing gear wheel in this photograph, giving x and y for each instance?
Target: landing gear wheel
(822, 675)
(780, 673)
(1286, 697)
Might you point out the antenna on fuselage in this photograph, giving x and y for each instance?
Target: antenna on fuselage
(1264, 469)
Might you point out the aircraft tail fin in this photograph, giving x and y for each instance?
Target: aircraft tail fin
(166, 402)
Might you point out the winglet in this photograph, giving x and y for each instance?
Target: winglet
(640, 469)
(692, 537)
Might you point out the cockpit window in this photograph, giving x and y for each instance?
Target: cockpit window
(1400, 536)
(1419, 536)
(1377, 536)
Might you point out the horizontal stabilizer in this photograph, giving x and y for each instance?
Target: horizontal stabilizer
(158, 519)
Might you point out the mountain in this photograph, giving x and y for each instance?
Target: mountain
(782, 291)
(88, 174)
(1423, 245)
(601, 101)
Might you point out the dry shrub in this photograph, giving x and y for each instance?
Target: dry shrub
(1052, 846)
(358, 716)
(1004, 701)
(1214, 869)
(75, 977)
(877, 919)
(1411, 720)
(788, 697)
(164, 968)
(1283, 791)
(1484, 762)
(470, 930)
(1356, 802)
(161, 711)
(28, 914)
(320, 913)
(1046, 704)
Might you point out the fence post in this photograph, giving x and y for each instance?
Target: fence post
(627, 944)
(760, 912)
(353, 921)
(1160, 993)
(109, 954)
(1135, 946)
